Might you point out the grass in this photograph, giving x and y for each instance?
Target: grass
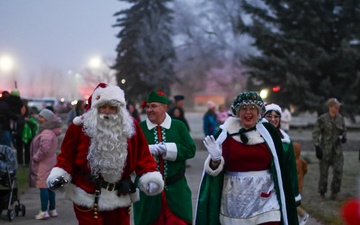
(328, 211)
(23, 179)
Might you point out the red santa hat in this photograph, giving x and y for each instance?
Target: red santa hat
(102, 93)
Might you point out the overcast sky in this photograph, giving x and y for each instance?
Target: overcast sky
(57, 34)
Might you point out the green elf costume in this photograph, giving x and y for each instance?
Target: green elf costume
(174, 135)
(251, 184)
(289, 154)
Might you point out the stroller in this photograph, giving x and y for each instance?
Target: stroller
(9, 199)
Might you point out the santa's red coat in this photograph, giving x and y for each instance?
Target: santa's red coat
(73, 165)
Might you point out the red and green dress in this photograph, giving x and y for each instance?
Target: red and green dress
(252, 184)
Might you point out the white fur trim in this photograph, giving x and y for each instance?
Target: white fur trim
(146, 178)
(254, 137)
(110, 92)
(57, 172)
(233, 125)
(171, 151)
(210, 171)
(136, 196)
(269, 141)
(223, 135)
(78, 120)
(286, 138)
(273, 107)
(108, 200)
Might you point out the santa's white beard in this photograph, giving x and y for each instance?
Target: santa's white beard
(108, 150)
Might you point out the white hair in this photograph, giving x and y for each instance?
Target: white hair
(108, 134)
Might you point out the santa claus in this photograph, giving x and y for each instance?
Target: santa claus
(100, 151)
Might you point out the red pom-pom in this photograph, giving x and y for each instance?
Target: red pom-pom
(143, 104)
(161, 93)
(350, 212)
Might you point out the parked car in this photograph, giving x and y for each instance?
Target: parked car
(57, 105)
(35, 105)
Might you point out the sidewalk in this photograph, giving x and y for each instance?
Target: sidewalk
(31, 199)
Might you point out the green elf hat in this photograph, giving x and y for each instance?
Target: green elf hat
(157, 97)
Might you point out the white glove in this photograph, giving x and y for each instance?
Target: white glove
(57, 183)
(152, 187)
(154, 149)
(212, 147)
(162, 149)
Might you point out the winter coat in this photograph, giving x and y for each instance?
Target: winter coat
(73, 164)
(43, 152)
(210, 123)
(301, 165)
(209, 196)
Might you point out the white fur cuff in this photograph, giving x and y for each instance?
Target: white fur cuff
(78, 120)
(210, 171)
(57, 172)
(155, 177)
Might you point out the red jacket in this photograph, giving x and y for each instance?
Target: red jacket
(73, 165)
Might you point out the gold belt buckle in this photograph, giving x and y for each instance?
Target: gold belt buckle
(108, 187)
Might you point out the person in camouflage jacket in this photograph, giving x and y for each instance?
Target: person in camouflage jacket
(328, 135)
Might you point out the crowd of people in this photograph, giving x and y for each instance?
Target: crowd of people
(110, 159)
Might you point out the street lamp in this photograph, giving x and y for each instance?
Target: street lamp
(95, 62)
(7, 65)
(264, 93)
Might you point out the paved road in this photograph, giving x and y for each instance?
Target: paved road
(31, 199)
(66, 216)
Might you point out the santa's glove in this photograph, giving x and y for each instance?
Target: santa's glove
(212, 147)
(162, 149)
(318, 152)
(57, 183)
(154, 149)
(152, 187)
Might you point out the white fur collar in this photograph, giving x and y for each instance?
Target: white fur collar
(233, 125)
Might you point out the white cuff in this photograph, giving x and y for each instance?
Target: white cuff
(171, 153)
(210, 171)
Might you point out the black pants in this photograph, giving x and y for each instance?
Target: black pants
(23, 151)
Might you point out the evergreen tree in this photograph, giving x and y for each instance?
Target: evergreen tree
(145, 54)
(309, 51)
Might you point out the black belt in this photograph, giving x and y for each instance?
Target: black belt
(171, 180)
(123, 187)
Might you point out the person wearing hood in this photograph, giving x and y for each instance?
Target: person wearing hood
(210, 125)
(43, 159)
(273, 114)
(246, 177)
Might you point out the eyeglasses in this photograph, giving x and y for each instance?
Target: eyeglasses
(269, 117)
(251, 108)
(151, 106)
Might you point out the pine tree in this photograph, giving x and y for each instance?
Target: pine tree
(145, 54)
(308, 49)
